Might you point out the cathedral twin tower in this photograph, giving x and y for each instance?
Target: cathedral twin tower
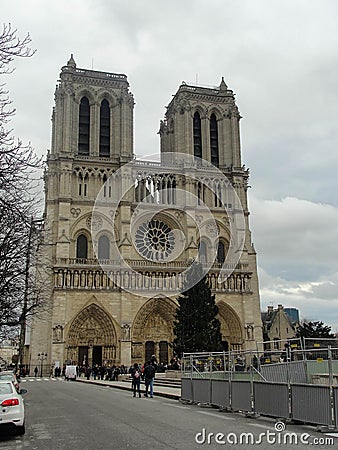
(121, 234)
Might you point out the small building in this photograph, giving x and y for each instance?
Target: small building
(8, 350)
(279, 326)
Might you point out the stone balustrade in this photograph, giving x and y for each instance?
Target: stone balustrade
(147, 280)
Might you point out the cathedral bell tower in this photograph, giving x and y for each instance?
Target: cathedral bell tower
(203, 122)
(93, 115)
(92, 136)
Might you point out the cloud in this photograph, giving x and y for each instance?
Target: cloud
(316, 300)
(295, 237)
(297, 244)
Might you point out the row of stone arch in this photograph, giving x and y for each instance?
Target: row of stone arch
(94, 326)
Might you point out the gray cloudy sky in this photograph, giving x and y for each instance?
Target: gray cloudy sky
(279, 57)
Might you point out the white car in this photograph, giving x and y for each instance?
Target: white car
(12, 408)
(9, 375)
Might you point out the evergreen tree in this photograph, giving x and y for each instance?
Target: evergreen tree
(315, 329)
(196, 327)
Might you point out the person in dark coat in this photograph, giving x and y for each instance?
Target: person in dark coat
(136, 380)
(149, 375)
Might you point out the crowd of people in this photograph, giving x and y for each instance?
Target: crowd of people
(111, 373)
(103, 372)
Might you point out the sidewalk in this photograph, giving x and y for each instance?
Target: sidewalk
(159, 391)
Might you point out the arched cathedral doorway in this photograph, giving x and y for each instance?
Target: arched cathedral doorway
(231, 327)
(92, 338)
(152, 331)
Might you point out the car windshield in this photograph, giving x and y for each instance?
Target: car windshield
(6, 376)
(5, 388)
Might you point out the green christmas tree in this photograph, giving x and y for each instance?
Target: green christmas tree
(196, 327)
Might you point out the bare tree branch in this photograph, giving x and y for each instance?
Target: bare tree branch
(22, 288)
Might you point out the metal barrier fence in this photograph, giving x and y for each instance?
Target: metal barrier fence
(287, 390)
(295, 371)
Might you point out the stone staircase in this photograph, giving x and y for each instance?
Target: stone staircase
(162, 379)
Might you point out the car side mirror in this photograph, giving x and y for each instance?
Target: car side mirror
(22, 391)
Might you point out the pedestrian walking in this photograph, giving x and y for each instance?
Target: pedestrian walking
(136, 380)
(116, 374)
(149, 375)
(36, 370)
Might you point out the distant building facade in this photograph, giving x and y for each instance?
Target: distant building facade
(98, 312)
(9, 353)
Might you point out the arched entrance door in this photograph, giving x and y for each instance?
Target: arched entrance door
(92, 338)
(153, 331)
(149, 350)
(231, 327)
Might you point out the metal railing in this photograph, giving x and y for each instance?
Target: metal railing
(303, 387)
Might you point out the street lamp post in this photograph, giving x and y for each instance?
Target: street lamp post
(23, 316)
(41, 357)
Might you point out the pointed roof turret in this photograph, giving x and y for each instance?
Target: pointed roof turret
(71, 62)
(223, 86)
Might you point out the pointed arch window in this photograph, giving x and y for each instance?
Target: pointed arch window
(197, 135)
(82, 247)
(84, 126)
(104, 179)
(104, 129)
(220, 252)
(202, 250)
(214, 141)
(200, 193)
(103, 247)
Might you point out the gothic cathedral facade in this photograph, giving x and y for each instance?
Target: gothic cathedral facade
(114, 277)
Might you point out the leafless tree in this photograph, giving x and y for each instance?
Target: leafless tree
(20, 294)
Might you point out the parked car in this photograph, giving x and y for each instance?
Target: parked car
(8, 375)
(12, 408)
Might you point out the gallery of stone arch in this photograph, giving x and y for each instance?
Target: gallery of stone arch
(99, 313)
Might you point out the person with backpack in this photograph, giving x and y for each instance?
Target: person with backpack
(149, 375)
(136, 380)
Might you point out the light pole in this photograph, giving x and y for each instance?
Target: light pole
(41, 357)
(23, 316)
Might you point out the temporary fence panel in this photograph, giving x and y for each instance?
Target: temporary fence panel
(201, 390)
(311, 403)
(335, 397)
(186, 389)
(241, 395)
(320, 366)
(280, 372)
(220, 393)
(271, 399)
(241, 376)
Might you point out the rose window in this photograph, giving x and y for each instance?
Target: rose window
(155, 240)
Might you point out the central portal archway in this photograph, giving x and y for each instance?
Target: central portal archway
(153, 330)
(92, 338)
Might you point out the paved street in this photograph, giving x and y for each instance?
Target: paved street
(79, 416)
